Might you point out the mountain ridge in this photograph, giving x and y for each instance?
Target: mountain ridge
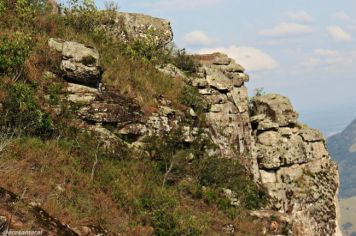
(342, 149)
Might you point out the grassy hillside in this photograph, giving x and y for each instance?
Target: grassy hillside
(342, 149)
(48, 161)
(348, 212)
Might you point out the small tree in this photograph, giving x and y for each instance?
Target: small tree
(82, 15)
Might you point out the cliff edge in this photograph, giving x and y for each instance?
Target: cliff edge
(106, 130)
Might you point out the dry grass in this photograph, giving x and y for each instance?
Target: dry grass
(40, 60)
(51, 176)
(142, 82)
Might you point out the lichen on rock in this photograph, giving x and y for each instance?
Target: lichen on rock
(295, 167)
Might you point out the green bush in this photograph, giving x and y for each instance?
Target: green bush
(184, 61)
(175, 158)
(159, 204)
(82, 15)
(147, 49)
(191, 98)
(54, 92)
(13, 52)
(22, 12)
(2, 8)
(88, 60)
(225, 173)
(23, 111)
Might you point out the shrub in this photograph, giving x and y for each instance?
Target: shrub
(14, 50)
(159, 205)
(175, 158)
(191, 98)
(147, 49)
(224, 173)
(88, 60)
(184, 61)
(2, 8)
(23, 110)
(22, 12)
(82, 15)
(54, 92)
(259, 92)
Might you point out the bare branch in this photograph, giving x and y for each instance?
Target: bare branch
(95, 163)
(7, 136)
(167, 172)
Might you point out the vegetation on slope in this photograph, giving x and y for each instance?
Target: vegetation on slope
(47, 161)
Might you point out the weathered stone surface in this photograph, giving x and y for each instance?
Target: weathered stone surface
(295, 168)
(172, 71)
(218, 81)
(80, 63)
(268, 176)
(238, 79)
(110, 108)
(134, 26)
(200, 83)
(81, 94)
(277, 109)
(288, 158)
(238, 96)
(56, 44)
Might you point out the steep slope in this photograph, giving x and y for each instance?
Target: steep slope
(106, 130)
(342, 147)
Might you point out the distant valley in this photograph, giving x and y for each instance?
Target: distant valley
(342, 147)
(348, 213)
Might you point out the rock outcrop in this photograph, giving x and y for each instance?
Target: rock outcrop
(134, 26)
(295, 167)
(80, 63)
(220, 81)
(288, 158)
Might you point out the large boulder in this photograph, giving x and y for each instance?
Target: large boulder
(134, 26)
(273, 110)
(295, 167)
(80, 63)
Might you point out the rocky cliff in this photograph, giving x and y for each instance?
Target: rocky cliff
(286, 158)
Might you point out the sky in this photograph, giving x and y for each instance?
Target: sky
(303, 49)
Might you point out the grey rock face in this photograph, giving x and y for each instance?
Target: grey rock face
(80, 63)
(228, 115)
(220, 81)
(295, 167)
(275, 111)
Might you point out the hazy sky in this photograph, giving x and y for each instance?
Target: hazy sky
(304, 49)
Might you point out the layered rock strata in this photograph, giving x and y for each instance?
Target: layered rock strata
(295, 167)
(288, 158)
(80, 63)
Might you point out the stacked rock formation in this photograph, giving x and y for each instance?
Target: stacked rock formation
(93, 106)
(80, 63)
(295, 167)
(288, 158)
(221, 82)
